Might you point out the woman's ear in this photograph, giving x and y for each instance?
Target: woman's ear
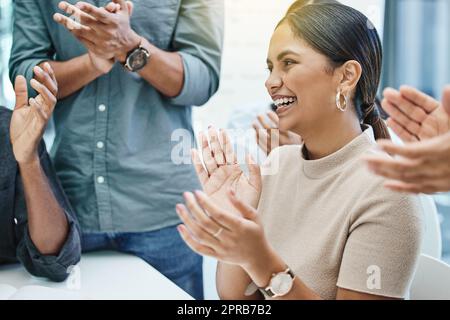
(350, 74)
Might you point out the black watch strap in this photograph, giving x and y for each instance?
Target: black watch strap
(139, 51)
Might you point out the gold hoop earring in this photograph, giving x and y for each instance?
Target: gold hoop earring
(338, 102)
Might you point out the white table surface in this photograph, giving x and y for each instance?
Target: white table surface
(105, 276)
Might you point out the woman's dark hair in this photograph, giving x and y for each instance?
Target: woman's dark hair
(342, 34)
(301, 3)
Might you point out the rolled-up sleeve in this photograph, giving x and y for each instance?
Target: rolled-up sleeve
(198, 39)
(56, 267)
(31, 40)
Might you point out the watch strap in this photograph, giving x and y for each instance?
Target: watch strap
(268, 291)
(126, 64)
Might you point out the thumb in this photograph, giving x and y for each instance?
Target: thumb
(112, 7)
(123, 5)
(130, 8)
(446, 99)
(247, 211)
(21, 90)
(254, 172)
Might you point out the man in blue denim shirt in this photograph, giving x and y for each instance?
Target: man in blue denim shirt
(114, 124)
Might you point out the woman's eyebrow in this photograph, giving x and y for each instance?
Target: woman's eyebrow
(282, 55)
(285, 53)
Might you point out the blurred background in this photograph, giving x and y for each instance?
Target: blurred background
(416, 41)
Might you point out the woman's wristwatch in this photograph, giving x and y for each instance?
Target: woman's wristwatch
(280, 284)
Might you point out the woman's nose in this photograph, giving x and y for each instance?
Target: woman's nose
(274, 83)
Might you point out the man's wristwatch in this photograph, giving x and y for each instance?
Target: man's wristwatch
(137, 59)
(280, 284)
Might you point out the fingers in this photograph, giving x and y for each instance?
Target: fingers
(197, 231)
(123, 5)
(100, 14)
(81, 32)
(263, 122)
(397, 169)
(396, 114)
(39, 99)
(246, 211)
(254, 172)
(403, 134)
(274, 118)
(80, 24)
(21, 90)
(430, 129)
(199, 169)
(446, 99)
(45, 78)
(193, 244)
(416, 188)
(130, 6)
(69, 23)
(403, 187)
(48, 68)
(92, 47)
(49, 98)
(230, 156)
(40, 111)
(257, 129)
(269, 138)
(427, 103)
(413, 150)
(216, 148)
(200, 216)
(408, 108)
(225, 219)
(262, 138)
(88, 37)
(112, 7)
(208, 159)
(78, 15)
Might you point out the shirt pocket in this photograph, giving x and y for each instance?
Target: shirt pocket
(155, 20)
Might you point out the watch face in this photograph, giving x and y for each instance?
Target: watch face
(281, 284)
(138, 59)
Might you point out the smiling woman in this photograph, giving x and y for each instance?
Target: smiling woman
(340, 50)
(312, 223)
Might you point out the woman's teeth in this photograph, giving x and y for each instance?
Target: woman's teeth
(283, 102)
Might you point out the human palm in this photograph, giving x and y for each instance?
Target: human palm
(30, 117)
(288, 138)
(416, 116)
(269, 136)
(222, 173)
(101, 60)
(435, 124)
(26, 128)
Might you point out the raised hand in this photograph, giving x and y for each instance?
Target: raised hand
(219, 172)
(216, 232)
(30, 117)
(420, 167)
(103, 61)
(105, 31)
(269, 136)
(415, 116)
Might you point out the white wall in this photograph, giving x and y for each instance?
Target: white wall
(248, 27)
